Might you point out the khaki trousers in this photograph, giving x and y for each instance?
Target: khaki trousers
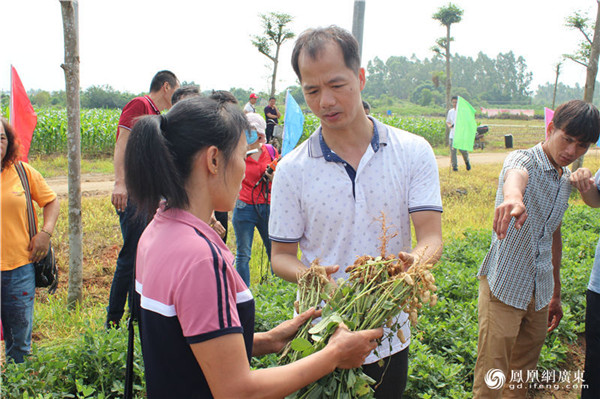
(510, 340)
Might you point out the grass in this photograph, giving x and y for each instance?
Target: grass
(58, 165)
(468, 199)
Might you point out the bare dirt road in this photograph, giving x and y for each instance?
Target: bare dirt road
(97, 184)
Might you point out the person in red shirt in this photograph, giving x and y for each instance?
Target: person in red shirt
(252, 207)
(162, 87)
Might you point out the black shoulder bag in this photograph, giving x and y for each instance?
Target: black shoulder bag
(46, 273)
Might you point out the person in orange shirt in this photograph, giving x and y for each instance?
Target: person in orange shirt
(18, 251)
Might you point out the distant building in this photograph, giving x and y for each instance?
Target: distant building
(498, 111)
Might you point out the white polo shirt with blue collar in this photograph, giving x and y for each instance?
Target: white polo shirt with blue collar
(331, 210)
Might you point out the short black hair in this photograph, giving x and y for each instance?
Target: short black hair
(366, 105)
(578, 119)
(224, 96)
(454, 98)
(160, 78)
(272, 98)
(185, 91)
(314, 40)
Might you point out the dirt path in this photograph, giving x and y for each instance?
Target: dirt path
(476, 158)
(92, 184)
(96, 184)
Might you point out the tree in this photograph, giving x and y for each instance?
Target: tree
(451, 14)
(275, 33)
(40, 98)
(556, 84)
(71, 68)
(587, 55)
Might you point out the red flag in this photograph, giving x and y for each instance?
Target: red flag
(22, 117)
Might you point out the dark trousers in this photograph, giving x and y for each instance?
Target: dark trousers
(122, 284)
(591, 374)
(269, 132)
(391, 377)
(223, 218)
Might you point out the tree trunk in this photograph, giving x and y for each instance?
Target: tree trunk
(71, 68)
(555, 85)
(448, 79)
(275, 64)
(592, 72)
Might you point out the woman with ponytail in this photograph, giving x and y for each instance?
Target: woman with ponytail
(197, 314)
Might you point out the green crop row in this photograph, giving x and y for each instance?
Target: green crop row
(443, 346)
(98, 129)
(433, 130)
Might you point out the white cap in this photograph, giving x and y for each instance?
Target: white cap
(257, 122)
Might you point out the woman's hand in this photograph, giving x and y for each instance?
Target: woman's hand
(286, 331)
(352, 348)
(38, 246)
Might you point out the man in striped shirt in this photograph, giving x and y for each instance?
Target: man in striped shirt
(519, 287)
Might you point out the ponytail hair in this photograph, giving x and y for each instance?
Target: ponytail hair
(161, 149)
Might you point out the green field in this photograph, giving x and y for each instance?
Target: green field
(75, 357)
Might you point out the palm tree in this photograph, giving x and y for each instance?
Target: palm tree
(448, 15)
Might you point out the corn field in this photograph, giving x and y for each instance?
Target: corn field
(99, 126)
(98, 129)
(433, 130)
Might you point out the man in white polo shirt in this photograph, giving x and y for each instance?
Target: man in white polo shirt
(329, 192)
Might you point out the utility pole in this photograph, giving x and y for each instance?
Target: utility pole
(358, 23)
(70, 18)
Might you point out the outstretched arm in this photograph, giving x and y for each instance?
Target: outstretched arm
(225, 356)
